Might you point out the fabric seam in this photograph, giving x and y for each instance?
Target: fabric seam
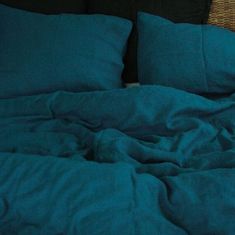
(204, 57)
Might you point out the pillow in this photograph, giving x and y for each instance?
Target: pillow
(195, 58)
(223, 14)
(42, 53)
(191, 11)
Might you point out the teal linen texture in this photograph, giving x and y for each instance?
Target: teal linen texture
(140, 161)
(43, 53)
(195, 58)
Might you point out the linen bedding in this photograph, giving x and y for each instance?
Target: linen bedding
(145, 160)
(42, 54)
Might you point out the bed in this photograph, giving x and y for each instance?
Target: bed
(81, 153)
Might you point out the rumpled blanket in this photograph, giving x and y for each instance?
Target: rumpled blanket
(148, 160)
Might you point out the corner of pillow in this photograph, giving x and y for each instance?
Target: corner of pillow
(129, 25)
(147, 17)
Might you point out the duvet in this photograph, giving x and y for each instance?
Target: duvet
(148, 160)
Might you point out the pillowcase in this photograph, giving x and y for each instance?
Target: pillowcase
(191, 11)
(195, 58)
(45, 53)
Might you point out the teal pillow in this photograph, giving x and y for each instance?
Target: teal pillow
(195, 58)
(44, 53)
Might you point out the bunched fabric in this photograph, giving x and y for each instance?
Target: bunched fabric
(145, 160)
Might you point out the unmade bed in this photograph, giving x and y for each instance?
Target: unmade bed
(81, 153)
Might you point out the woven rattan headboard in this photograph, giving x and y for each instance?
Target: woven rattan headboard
(223, 14)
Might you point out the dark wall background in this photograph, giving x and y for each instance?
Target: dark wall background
(49, 6)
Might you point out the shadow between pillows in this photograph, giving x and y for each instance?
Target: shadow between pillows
(44, 53)
(196, 12)
(195, 58)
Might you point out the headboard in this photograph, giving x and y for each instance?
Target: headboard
(49, 6)
(223, 14)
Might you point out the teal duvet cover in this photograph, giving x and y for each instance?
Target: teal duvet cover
(148, 160)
